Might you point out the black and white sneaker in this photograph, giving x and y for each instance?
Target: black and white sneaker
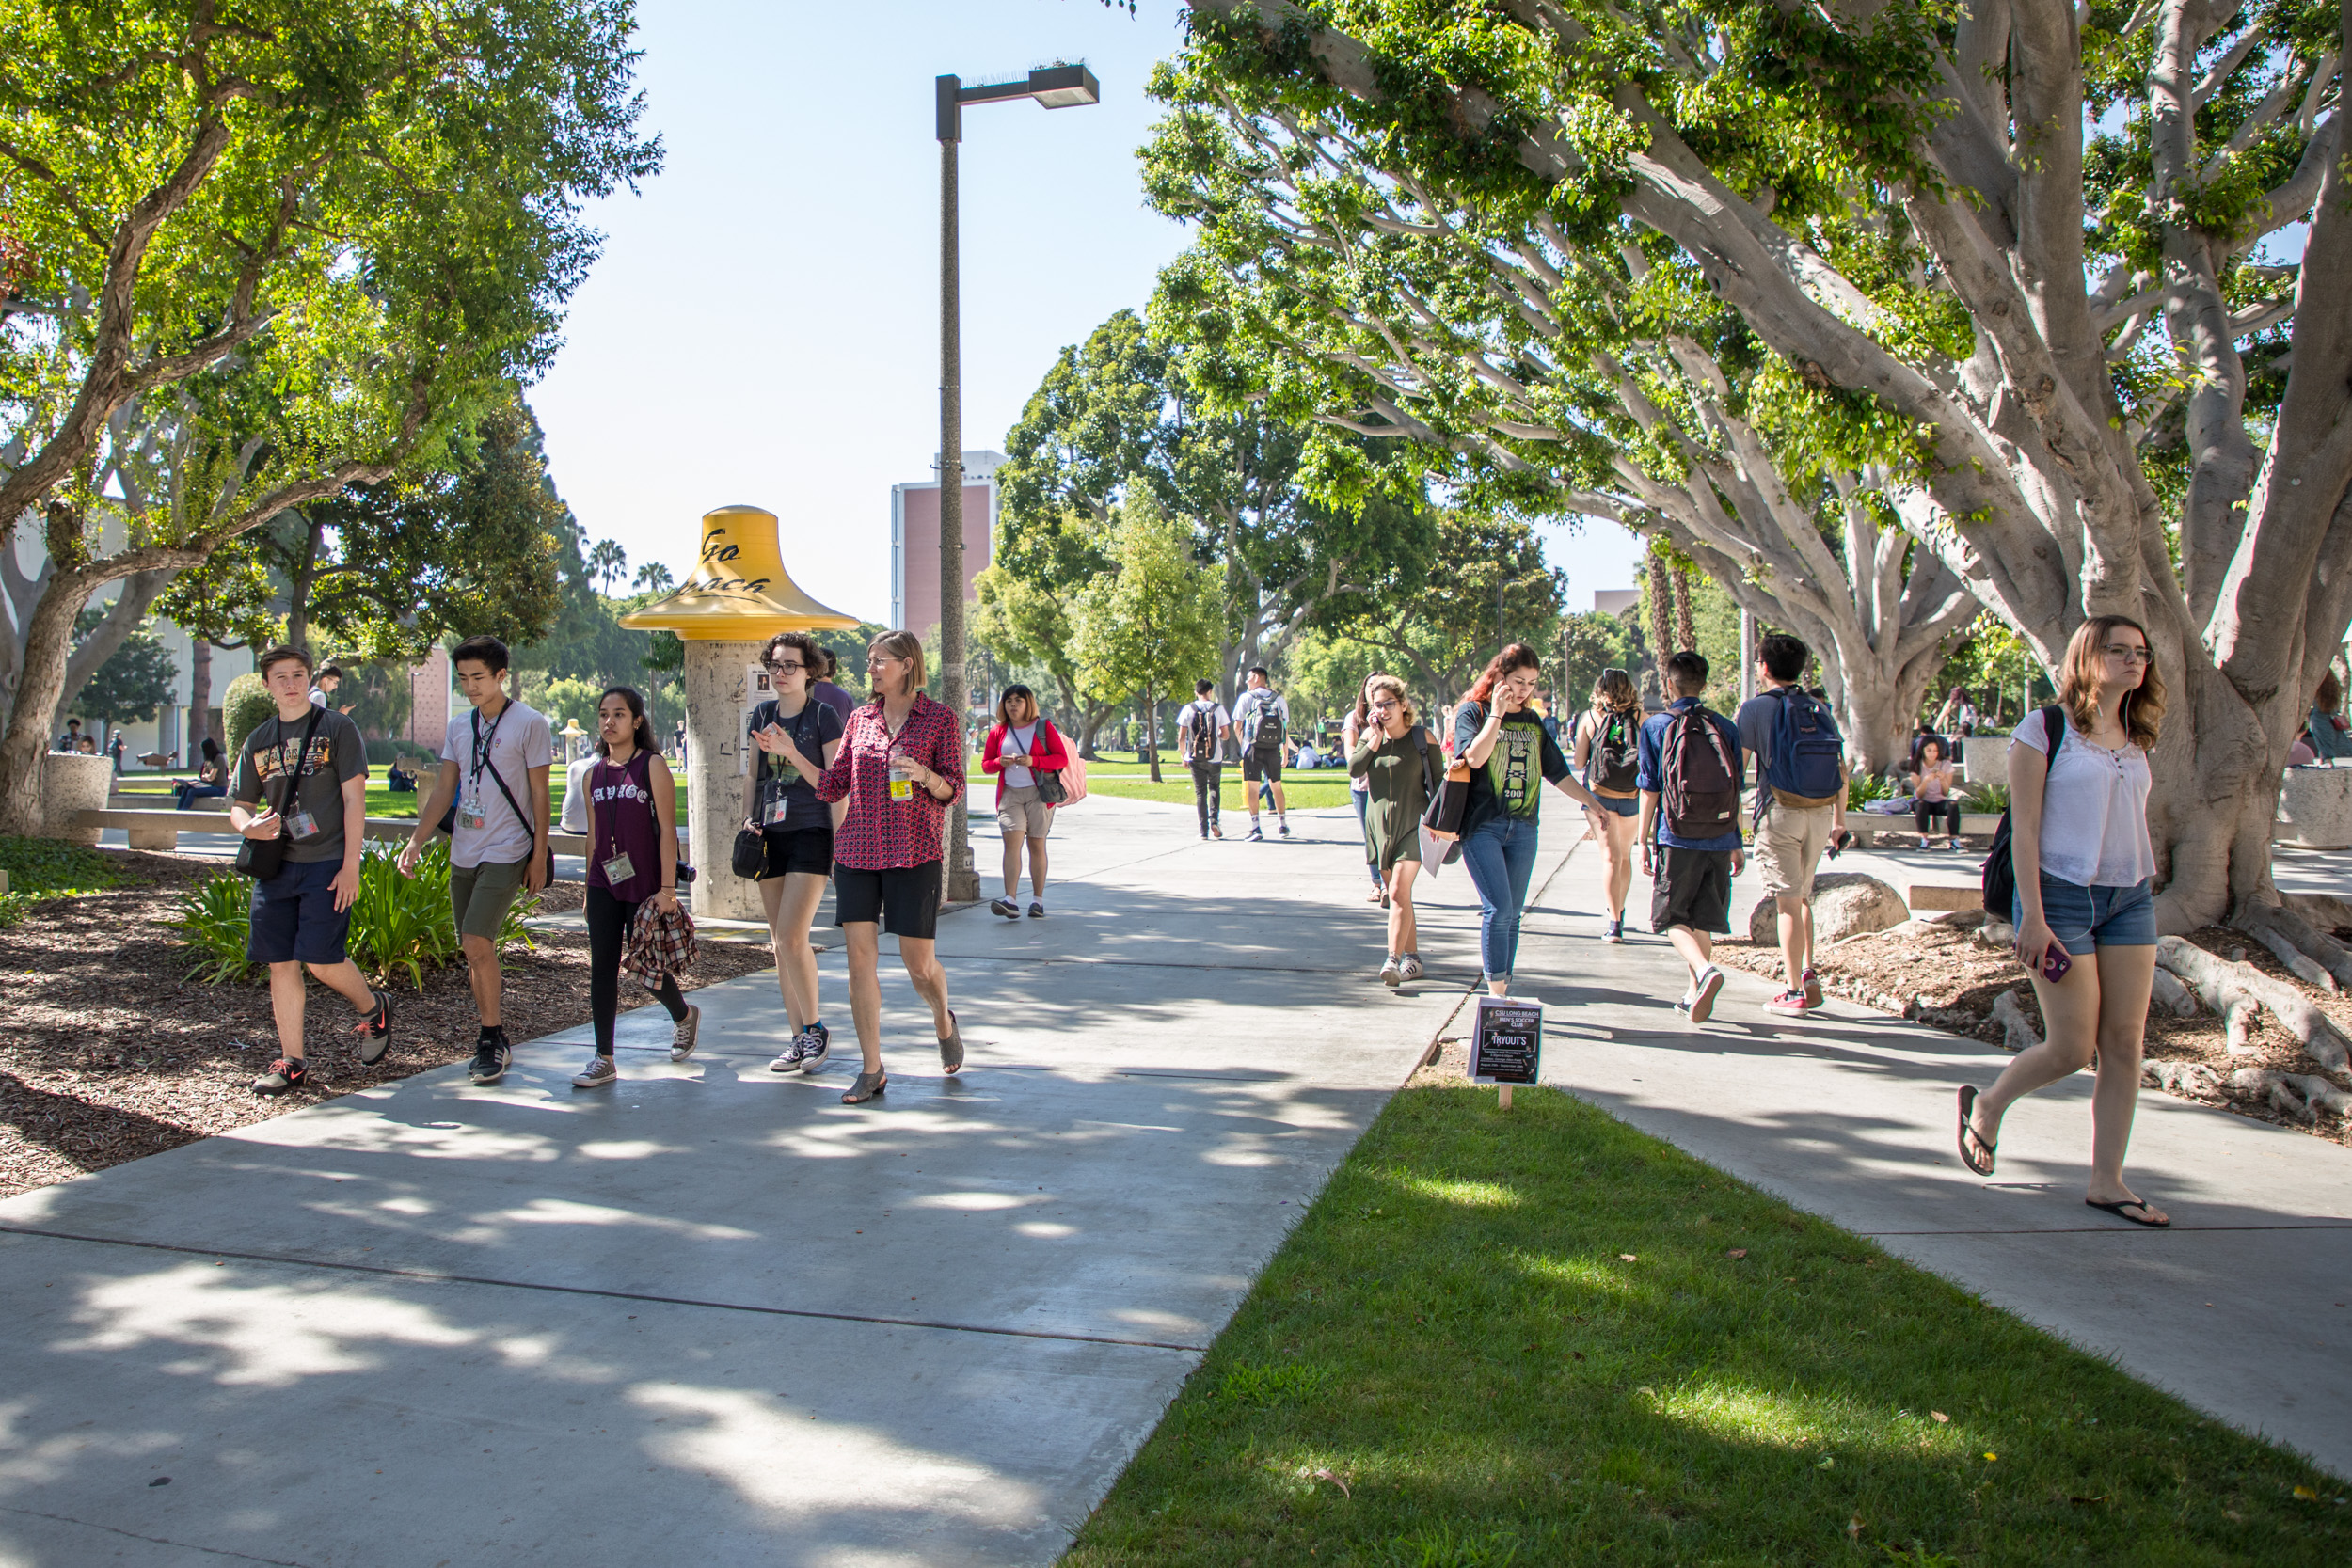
(1284, 824)
(1037, 908)
(1255, 834)
(1004, 907)
(819, 1047)
(376, 1031)
(491, 1058)
(790, 1060)
(285, 1074)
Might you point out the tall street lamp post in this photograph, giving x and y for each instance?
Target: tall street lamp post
(1061, 86)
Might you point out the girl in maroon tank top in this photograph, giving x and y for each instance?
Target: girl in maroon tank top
(632, 861)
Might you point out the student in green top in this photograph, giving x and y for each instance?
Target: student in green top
(1397, 758)
(1511, 757)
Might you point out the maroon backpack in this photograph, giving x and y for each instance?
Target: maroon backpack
(1702, 793)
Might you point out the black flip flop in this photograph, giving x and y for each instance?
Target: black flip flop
(2117, 1209)
(1968, 1106)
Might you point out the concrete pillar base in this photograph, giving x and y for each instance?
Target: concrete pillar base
(70, 783)
(720, 691)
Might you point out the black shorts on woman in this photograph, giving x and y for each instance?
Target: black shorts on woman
(796, 828)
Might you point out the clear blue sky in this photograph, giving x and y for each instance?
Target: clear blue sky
(763, 326)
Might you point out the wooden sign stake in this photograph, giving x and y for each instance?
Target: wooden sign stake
(1503, 1093)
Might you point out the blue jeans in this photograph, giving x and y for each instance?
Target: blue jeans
(1500, 855)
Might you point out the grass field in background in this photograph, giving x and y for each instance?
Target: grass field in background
(1539, 1337)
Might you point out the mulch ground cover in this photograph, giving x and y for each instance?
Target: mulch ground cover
(111, 1053)
(1945, 977)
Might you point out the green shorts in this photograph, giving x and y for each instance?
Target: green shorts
(481, 895)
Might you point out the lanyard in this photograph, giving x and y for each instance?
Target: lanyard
(482, 745)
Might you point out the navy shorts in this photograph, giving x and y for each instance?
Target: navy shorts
(2084, 919)
(1624, 805)
(294, 919)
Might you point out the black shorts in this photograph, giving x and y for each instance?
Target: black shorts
(1256, 765)
(905, 902)
(1693, 888)
(791, 850)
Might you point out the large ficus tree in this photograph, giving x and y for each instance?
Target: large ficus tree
(308, 238)
(2026, 236)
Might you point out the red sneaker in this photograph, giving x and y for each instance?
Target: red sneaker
(1789, 1001)
(1811, 986)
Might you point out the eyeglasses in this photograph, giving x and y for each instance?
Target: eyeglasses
(2125, 650)
(1384, 707)
(781, 665)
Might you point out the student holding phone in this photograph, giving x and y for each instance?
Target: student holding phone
(2086, 919)
(797, 735)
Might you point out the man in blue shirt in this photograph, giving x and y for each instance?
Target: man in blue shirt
(1690, 893)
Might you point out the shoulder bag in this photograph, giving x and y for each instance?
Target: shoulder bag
(263, 859)
(1050, 788)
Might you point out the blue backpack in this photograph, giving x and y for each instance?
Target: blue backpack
(1807, 768)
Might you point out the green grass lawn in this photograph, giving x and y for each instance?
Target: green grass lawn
(1120, 774)
(381, 802)
(1539, 1337)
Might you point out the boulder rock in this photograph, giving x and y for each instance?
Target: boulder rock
(1845, 904)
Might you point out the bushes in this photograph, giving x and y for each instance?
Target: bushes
(243, 707)
(399, 925)
(42, 868)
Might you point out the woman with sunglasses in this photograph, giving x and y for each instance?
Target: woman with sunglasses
(796, 831)
(1608, 750)
(1511, 757)
(900, 769)
(2086, 920)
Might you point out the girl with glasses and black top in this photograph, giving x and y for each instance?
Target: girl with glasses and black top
(632, 860)
(798, 735)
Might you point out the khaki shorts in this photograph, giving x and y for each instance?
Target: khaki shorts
(480, 895)
(1788, 845)
(1021, 811)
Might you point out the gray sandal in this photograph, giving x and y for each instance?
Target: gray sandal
(951, 1048)
(868, 1085)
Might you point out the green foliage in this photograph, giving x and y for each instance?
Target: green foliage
(1439, 638)
(1591, 641)
(1988, 795)
(1147, 625)
(137, 679)
(1992, 663)
(42, 868)
(215, 919)
(245, 707)
(1863, 788)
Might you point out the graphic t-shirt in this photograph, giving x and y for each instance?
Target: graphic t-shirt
(1511, 783)
(315, 814)
(778, 786)
(488, 830)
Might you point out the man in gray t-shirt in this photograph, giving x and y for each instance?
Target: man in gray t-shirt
(494, 769)
(302, 784)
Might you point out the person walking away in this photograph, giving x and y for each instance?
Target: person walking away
(900, 769)
(2086, 919)
(494, 773)
(2329, 737)
(1022, 746)
(1608, 752)
(797, 735)
(1262, 721)
(632, 862)
(1511, 756)
(307, 768)
(1690, 775)
(1932, 781)
(1201, 732)
(212, 778)
(1800, 803)
(821, 685)
(1354, 728)
(1401, 762)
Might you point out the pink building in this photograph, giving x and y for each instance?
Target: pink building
(915, 541)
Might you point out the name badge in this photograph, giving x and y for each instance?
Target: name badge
(775, 805)
(302, 823)
(470, 815)
(619, 869)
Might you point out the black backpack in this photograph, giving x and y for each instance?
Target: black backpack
(1999, 872)
(1616, 755)
(1196, 733)
(1268, 736)
(1702, 793)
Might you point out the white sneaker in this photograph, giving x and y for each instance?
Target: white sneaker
(1711, 980)
(1411, 968)
(597, 1074)
(1390, 972)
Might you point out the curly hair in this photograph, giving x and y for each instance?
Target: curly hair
(2141, 712)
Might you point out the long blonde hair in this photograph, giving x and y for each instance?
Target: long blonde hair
(2142, 711)
(1613, 693)
(1385, 682)
(895, 645)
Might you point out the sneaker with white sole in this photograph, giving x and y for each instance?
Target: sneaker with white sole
(682, 1034)
(597, 1074)
(819, 1047)
(790, 1060)
(1711, 980)
(1009, 909)
(1810, 985)
(1257, 835)
(1391, 971)
(1411, 968)
(491, 1058)
(1613, 932)
(1787, 1002)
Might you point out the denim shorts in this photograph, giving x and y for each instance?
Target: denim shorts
(2084, 919)
(1624, 805)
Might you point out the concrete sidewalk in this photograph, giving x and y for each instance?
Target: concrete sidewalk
(2242, 1307)
(714, 1313)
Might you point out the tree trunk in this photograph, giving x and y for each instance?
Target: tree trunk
(40, 684)
(200, 698)
(301, 580)
(1686, 627)
(1152, 734)
(1660, 642)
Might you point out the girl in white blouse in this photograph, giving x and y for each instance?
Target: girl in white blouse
(2078, 823)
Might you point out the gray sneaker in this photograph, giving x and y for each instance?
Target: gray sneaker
(682, 1034)
(597, 1074)
(820, 1046)
(1390, 972)
(1411, 968)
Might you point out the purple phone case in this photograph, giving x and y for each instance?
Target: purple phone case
(2055, 961)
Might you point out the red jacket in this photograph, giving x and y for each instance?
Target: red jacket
(1050, 754)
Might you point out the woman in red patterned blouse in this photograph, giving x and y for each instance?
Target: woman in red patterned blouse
(900, 768)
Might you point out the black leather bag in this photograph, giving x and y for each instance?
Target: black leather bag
(1050, 790)
(750, 853)
(263, 859)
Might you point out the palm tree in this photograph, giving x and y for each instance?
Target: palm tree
(607, 561)
(654, 578)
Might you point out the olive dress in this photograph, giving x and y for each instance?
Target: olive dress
(1397, 773)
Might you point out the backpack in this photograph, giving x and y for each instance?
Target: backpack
(1807, 768)
(1266, 733)
(1617, 755)
(1702, 793)
(1196, 733)
(2000, 871)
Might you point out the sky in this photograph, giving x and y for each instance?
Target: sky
(763, 326)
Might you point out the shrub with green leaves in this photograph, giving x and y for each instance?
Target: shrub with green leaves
(1863, 788)
(243, 707)
(1988, 796)
(42, 868)
(215, 917)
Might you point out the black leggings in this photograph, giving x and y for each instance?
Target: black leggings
(1925, 812)
(608, 920)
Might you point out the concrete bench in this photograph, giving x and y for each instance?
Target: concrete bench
(161, 829)
(1866, 825)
